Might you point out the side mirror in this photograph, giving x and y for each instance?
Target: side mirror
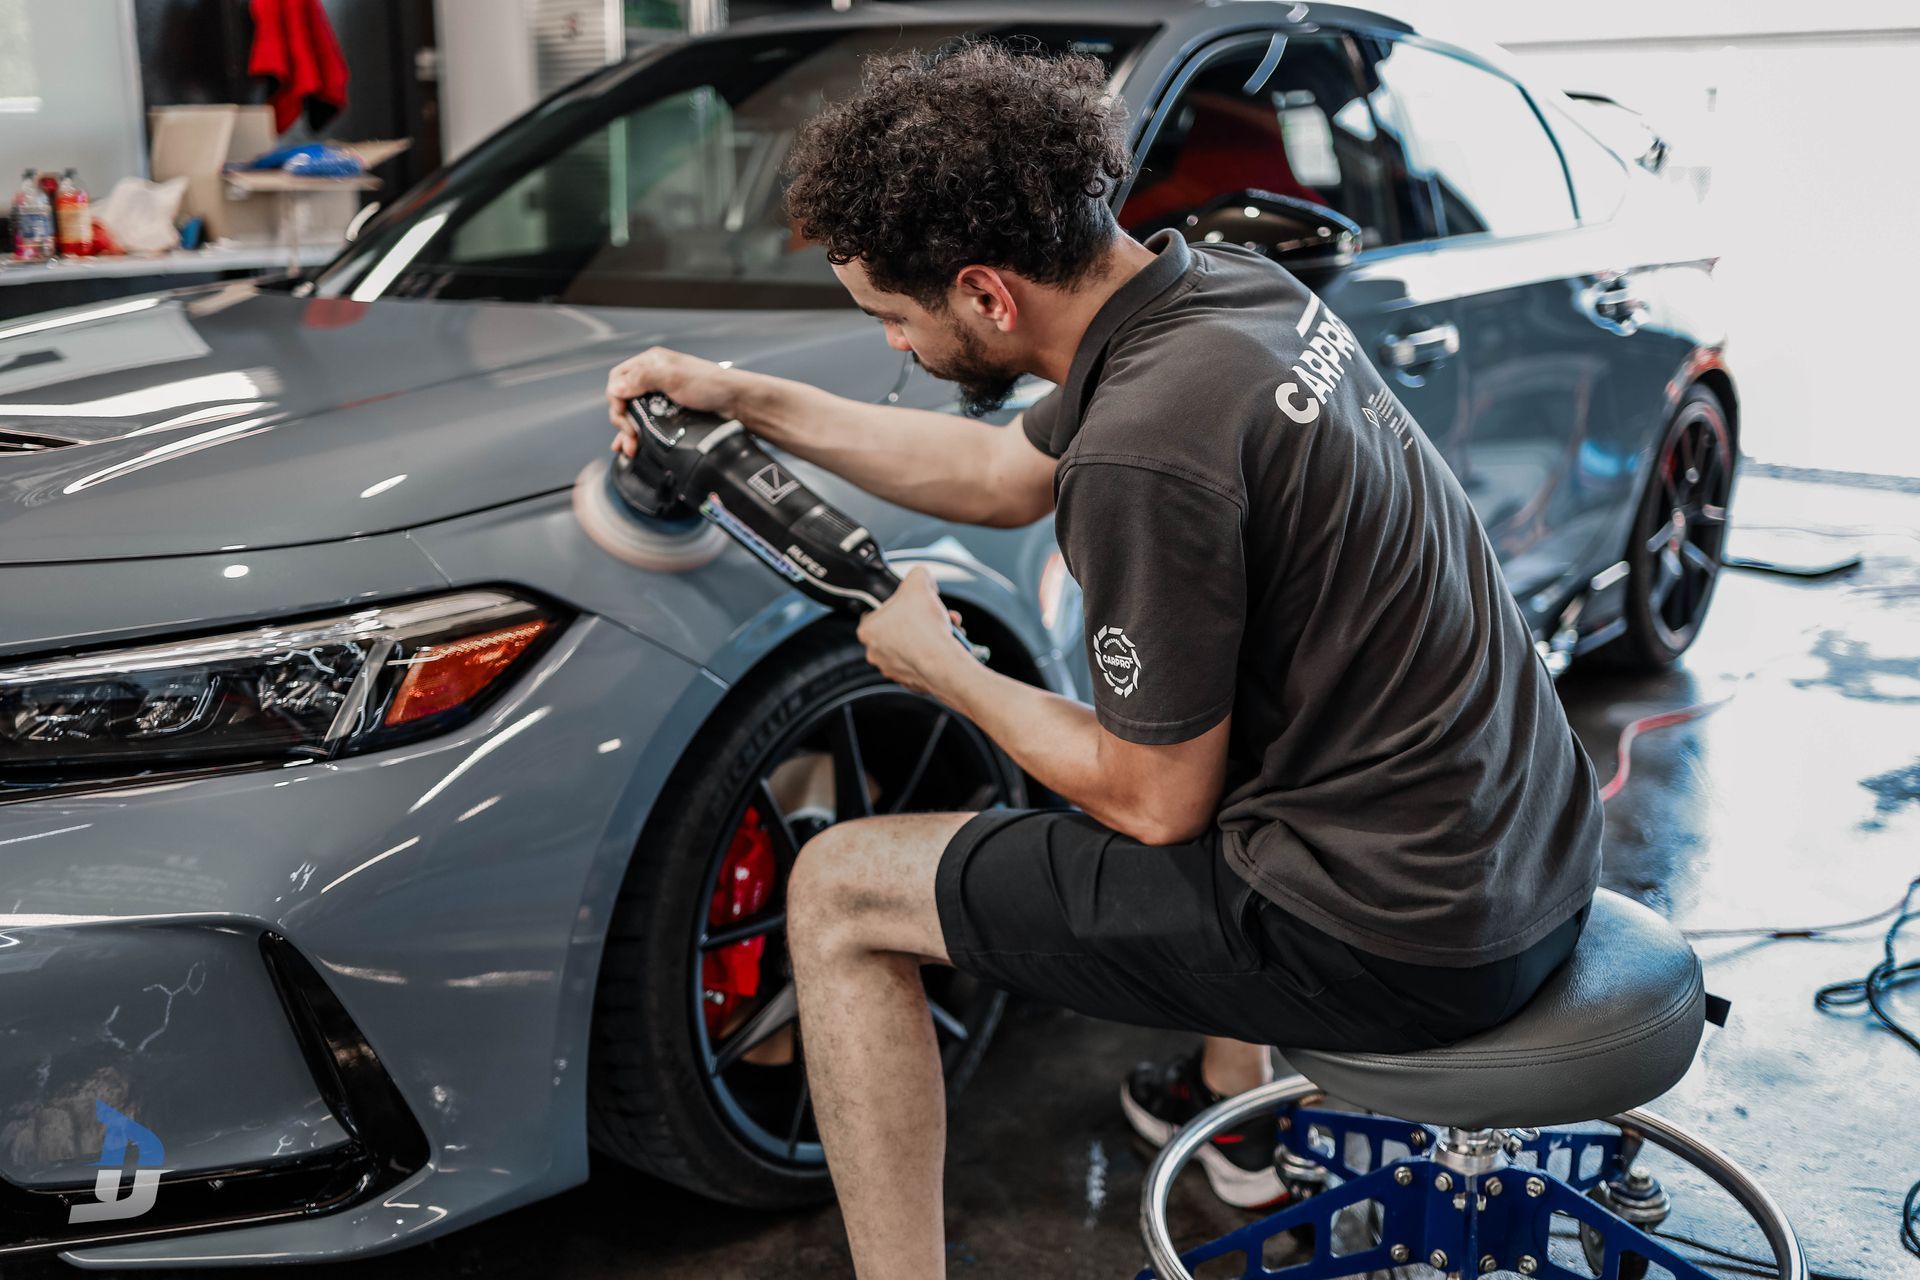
(1298, 234)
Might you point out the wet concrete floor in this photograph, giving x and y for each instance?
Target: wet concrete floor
(1795, 800)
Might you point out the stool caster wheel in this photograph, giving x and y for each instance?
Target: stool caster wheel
(1302, 1179)
(1300, 1176)
(1637, 1198)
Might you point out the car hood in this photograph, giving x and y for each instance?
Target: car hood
(237, 417)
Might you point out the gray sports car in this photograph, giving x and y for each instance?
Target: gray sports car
(371, 843)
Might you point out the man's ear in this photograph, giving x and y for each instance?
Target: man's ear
(984, 292)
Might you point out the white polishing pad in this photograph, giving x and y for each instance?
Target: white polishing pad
(631, 538)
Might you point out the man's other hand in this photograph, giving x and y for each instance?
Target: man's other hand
(688, 380)
(910, 637)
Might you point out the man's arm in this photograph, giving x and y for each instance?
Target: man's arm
(950, 467)
(1156, 794)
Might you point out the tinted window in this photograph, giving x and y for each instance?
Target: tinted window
(657, 185)
(1476, 138)
(1302, 128)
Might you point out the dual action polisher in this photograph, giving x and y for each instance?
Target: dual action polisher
(697, 480)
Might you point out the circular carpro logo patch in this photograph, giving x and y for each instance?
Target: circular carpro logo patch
(1118, 660)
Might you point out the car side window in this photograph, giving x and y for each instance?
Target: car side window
(1476, 139)
(1599, 176)
(1297, 127)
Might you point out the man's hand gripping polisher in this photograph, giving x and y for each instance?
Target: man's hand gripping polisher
(644, 510)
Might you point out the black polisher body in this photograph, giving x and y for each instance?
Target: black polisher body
(690, 462)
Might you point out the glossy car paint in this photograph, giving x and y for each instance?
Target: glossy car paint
(246, 455)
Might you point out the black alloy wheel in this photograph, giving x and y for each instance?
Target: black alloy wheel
(698, 1069)
(1679, 537)
(753, 1058)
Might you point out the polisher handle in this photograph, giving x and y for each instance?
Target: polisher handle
(717, 468)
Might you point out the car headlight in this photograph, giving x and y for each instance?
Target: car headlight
(300, 690)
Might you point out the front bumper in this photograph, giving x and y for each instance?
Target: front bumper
(352, 1000)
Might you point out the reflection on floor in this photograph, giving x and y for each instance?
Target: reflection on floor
(1795, 802)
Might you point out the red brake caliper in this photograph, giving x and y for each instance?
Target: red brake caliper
(731, 974)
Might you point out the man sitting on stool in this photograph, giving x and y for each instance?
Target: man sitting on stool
(1328, 797)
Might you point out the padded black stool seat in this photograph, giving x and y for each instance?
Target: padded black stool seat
(1614, 1027)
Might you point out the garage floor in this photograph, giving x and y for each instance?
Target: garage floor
(1796, 801)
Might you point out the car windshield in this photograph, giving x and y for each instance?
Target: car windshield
(656, 184)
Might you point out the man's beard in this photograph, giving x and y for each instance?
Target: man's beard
(984, 385)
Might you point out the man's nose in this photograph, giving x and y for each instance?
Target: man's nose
(898, 340)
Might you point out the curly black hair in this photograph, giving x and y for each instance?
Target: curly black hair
(976, 153)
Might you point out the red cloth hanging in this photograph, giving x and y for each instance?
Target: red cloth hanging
(294, 46)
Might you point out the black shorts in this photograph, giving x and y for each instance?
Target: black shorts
(1050, 904)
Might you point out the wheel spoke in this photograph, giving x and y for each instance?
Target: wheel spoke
(1710, 514)
(1679, 610)
(1690, 442)
(1670, 484)
(741, 932)
(850, 797)
(1699, 559)
(945, 1021)
(988, 795)
(1658, 540)
(920, 766)
(1709, 470)
(775, 1014)
(799, 1120)
(1667, 574)
(785, 847)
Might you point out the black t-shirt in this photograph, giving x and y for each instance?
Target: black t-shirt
(1259, 527)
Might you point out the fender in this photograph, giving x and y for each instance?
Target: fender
(971, 585)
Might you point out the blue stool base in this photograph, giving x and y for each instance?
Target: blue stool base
(1431, 1214)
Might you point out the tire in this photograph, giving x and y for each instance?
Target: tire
(1679, 534)
(658, 1098)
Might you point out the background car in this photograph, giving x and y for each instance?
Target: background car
(376, 842)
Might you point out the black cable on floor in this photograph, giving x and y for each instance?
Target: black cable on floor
(1884, 977)
(1726, 1259)
(1735, 1261)
(1869, 991)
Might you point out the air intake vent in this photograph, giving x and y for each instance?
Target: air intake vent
(14, 441)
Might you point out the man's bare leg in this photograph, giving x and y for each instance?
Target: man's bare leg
(861, 920)
(1234, 1066)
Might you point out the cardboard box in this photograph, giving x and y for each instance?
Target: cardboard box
(198, 142)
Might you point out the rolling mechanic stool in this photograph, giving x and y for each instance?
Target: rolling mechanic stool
(1614, 1027)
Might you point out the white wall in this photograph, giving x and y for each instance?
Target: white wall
(486, 68)
(1811, 199)
(1803, 115)
(1529, 22)
(80, 60)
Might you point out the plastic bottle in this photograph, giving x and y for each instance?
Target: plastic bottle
(32, 222)
(74, 214)
(50, 187)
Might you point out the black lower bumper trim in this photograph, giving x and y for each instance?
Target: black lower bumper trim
(385, 1144)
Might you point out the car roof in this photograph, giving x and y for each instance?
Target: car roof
(1118, 12)
(1189, 17)
(1187, 20)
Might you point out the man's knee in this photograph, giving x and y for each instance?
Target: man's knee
(821, 873)
(866, 884)
(831, 894)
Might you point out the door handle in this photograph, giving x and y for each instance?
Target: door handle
(1428, 346)
(1612, 300)
(1618, 303)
